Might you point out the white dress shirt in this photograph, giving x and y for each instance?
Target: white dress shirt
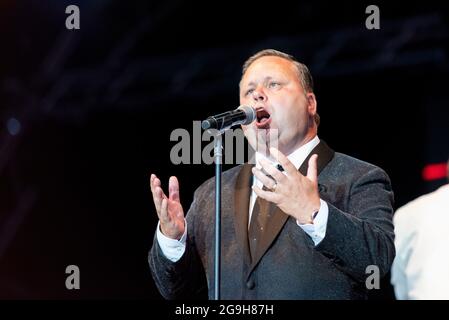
(174, 249)
(421, 266)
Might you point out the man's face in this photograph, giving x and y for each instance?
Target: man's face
(271, 85)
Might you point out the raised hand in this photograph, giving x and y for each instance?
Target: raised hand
(293, 193)
(169, 209)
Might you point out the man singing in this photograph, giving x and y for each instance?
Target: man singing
(305, 222)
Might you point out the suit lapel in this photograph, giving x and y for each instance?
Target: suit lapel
(241, 200)
(325, 155)
(277, 217)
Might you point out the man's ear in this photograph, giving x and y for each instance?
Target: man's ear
(311, 103)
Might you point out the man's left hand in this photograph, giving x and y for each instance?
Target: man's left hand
(293, 193)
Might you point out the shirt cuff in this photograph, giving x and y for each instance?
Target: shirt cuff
(171, 248)
(317, 230)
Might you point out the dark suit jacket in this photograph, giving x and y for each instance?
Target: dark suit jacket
(287, 265)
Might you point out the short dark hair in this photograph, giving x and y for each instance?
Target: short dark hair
(305, 77)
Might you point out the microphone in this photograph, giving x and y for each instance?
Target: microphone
(225, 120)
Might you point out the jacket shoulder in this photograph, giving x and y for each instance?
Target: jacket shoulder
(343, 165)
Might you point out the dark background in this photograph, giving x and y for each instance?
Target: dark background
(86, 115)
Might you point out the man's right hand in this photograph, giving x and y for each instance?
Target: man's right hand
(169, 209)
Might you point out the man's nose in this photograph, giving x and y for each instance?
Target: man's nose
(259, 95)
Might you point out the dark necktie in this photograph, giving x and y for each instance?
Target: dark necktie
(259, 218)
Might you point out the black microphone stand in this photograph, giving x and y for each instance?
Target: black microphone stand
(218, 156)
(222, 121)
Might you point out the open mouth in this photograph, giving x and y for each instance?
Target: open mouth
(263, 119)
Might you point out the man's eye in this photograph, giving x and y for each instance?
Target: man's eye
(274, 84)
(249, 92)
